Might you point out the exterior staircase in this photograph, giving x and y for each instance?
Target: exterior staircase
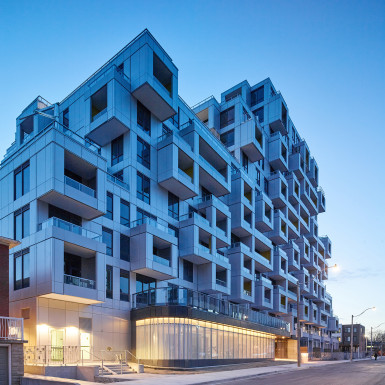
(114, 369)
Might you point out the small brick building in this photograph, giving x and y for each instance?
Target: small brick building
(11, 329)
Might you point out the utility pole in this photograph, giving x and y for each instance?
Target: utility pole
(371, 342)
(298, 327)
(351, 341)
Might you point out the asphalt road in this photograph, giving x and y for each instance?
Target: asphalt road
(356, 373)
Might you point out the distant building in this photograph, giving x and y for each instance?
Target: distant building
(359, 340)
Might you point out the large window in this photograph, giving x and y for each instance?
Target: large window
(144, 283)
(227, 117)
(143, 187)
(21, 223)
(124, 213)
(109, 281)
(110, 206)
(188, 271)
(260, 114)
(173, 206)
(143, 153)
(162, 73)
(228, 138)
(107, 236)
(21, 180)
(141, 215)
(257, 96)
(124, 247)
(144, 118)
(65, 215)
(117, 150)
(124, 285)
(21, 270)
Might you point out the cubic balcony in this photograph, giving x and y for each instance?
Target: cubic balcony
(278, 114)
(72, 183)
(293, 255)
(279, 272)
(263, 254)
(153, 249)
(333, 324)
(214, 172)
(293, 186)
(328, 246)
(67, 272)
(213, 278)
(312, 236)
(279, 235)
(308, 197)
(313, 287)
(302, 148)
(263, 293)
(252, 141)
(263, 212)
(304, 250)
(321, 200)
(304, 310)
(278, 189)
(242, 190)
(293, 222)
(154, 79)
(278, 153)
(242, 220)
(312, 174)
(242, 288)
(108, 98)
(291, 288)
(303, 277)
(280, 300)
(304, 219)
(69, 232)
(177, 171)
(297, 165)
(312, 266)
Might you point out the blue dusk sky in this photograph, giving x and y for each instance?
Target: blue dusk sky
(327, 58)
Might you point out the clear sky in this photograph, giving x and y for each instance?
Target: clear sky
(326, 57)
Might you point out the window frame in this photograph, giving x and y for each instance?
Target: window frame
(109, 211)
(117, 150)
(25, 281)
(25, 187)
(24, 222)
(143, 117)
(141, 194)
(124, 221)
(109, 250)
(110, 291)
(139, 157)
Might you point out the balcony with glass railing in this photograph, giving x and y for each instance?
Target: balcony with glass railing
(79, 186)
(118, 181)
(154, 223)
(181, 296)
(79, 281)
(62, 224)
(161, 260)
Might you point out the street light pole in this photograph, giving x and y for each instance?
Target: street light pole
(351, 331)
(298, 328)
(371, 338)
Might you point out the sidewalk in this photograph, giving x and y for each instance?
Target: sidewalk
(215, 377)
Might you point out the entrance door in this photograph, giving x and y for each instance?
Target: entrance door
(85, 345)
(4, 379)
(57, 339)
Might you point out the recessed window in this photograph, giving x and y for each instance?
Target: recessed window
(21, 180)
(124, 285)
(107, 238)
(228, 138)
(227, 117)
(143, 152)
(188, 271)
(110, 206)
(21, 270)
(124, 247)
(173, 206)
(257, 96)
(109, 281)
(143, 187)
(99, 103)
(260, 114)
(124, 213)
(21, 223)
(117, 150)
(143, 118)
(162, 73)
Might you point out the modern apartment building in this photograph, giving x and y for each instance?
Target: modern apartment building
(180, 234)
(359, 339)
